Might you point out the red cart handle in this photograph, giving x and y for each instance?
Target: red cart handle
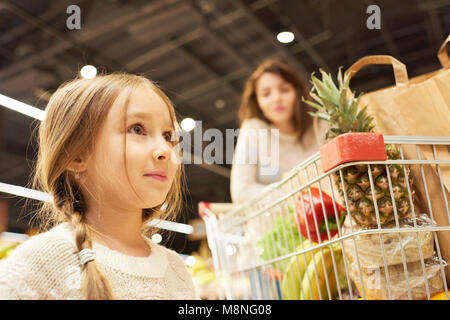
(202, 206)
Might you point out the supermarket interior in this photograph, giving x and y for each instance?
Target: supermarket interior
(259, 236)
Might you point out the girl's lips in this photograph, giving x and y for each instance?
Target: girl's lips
(279, 108)
(157, 177)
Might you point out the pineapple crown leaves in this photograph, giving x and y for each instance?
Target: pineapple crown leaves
(337, 105)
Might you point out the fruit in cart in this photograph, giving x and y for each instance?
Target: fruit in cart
(440, 296)
(7, 250)
(337, 104)
(204, 277)
(312, 219)
(319, 281)
(291, 283)
(200, 271)
(281, 239)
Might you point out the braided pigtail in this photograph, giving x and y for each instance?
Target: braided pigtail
(68, 200)
(94, 282)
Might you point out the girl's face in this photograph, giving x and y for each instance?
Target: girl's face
(276, 98)
(151, 162)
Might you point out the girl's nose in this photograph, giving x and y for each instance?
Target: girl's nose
(162, 151)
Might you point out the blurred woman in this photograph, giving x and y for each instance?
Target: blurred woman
(276, 131)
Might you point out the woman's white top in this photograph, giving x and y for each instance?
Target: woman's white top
(263, 154)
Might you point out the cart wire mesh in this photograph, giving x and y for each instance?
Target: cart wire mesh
(280, 244)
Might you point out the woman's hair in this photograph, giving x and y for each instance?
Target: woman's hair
(74, 115)
(250, 108)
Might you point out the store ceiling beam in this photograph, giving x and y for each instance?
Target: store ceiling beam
(5, 53)
(435, 32)
(151, 9)
(23, 29)
(96, 57)
(326, 14)
(192, 59)
(430, 5)
(190, 36)
(221, 41)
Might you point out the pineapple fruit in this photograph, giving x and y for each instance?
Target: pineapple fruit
(337, 105)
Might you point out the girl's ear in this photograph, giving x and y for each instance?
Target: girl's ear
(78, 165)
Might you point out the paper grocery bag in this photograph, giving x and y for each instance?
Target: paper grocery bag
(429, 101)
(417, 107)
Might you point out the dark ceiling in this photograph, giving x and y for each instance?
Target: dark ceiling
(200, 52)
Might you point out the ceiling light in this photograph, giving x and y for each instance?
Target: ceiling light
(14, 237)
(22, 107)
(25, 192)
(285, 37)
(220, 104)
(188, 124)
(190, 261)
(230, 250)
(156, 238)
(88, 72)
(172, 226)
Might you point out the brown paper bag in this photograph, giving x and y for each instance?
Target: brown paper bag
(429, 100)
(417, 107)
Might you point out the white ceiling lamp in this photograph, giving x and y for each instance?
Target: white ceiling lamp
(25, 192)
(190, 261)
(88, 71)
(285, 37)
(172, 226)
(156, 238)
(188, 124)
(220, 104)
(21, 107)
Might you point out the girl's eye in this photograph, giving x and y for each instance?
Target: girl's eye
(168, 136)
(137, 129)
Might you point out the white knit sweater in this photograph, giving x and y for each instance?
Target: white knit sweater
(47, 266)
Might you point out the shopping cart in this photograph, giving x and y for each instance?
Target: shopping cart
(260, 250)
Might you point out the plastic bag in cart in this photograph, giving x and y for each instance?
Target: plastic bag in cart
(370, 252)
(377, 287)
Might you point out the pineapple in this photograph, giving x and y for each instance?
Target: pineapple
(337, 105)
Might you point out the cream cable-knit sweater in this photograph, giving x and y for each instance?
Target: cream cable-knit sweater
(47, 266)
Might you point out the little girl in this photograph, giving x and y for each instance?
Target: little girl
(108, 156)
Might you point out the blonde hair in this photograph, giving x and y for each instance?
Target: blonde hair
(74, 114)
(249, 107)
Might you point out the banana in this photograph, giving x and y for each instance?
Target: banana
(9, 252)
(6, 251)
(316, 265)
(204, 277)
(290, 285)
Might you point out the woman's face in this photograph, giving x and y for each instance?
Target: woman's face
(151, 161)
(276, 97)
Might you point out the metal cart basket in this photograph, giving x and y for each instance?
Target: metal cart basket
(260, 250)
